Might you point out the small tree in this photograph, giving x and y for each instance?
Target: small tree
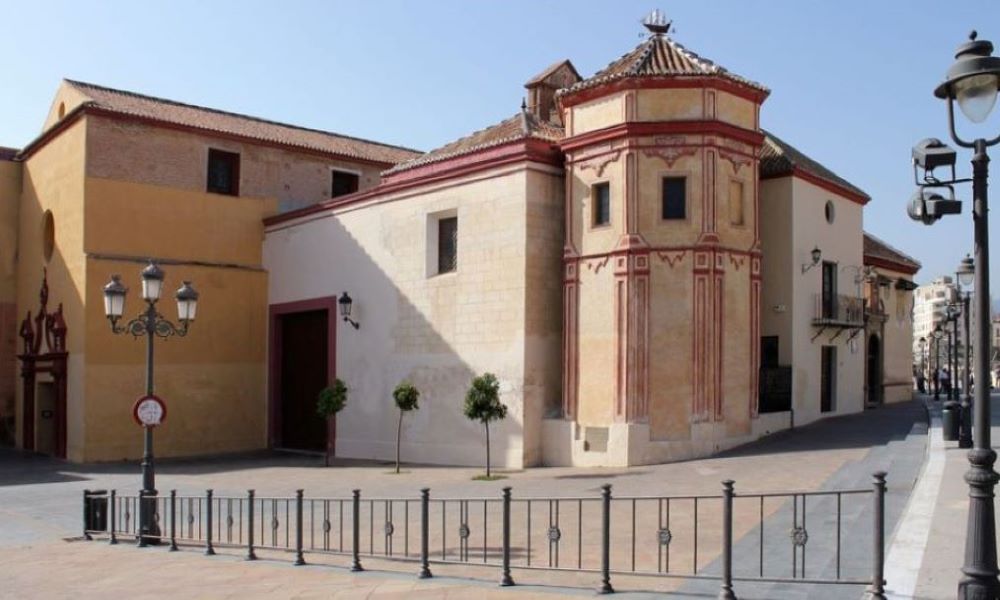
(406, 397)
(330, 401)
(482, 403)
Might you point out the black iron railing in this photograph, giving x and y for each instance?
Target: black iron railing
(727, 537)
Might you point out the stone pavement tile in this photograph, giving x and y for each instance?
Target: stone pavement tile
(59, 570)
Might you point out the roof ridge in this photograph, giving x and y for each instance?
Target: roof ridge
(77, 84)
(891, 247)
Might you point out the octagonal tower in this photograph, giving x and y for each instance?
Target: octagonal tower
(662, 261)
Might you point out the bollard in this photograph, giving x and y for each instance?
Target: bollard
(250, 552)
(726, 593)
(173, 520)
(86, 515)
(606, 540)
(112, 539)
(877, 589)
(299, 559)
(356, 526)
(505, 578)
(209, 550)
(425, 510)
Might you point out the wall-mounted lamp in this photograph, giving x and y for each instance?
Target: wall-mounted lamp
(345, 303)
(816, 254)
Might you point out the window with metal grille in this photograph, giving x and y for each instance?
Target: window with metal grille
(601, 196)
(343, 183)
(674, 198)
(448, 245)
(223, 172)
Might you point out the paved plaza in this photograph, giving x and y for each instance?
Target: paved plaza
(40, 506)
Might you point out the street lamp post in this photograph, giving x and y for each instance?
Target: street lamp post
(938, 334)
(149, 323)
(922, 344)
(973, 81)
(953, 312)
(966, 275)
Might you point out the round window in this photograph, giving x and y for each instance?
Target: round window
(828, 209)
(48, 235)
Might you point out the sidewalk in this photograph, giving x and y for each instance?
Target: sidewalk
(925, 559)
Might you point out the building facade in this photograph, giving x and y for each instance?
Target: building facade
(650, 275)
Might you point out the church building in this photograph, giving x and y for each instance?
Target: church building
(650, 274)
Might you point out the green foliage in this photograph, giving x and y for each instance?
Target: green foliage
(482, 401)
(332, 399)
(406, 396)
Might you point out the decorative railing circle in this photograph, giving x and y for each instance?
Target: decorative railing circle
(326, 526)
(554, 534)
(799, 536)
(274, 523)
(190, 519)
(389, 529)
(229, 521)
(664, 536)
(463, 531)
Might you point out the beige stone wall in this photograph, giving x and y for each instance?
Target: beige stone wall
(840, 242)
(437, 331)
(53, 180)
(10, 193)
(781, 269)
(661, 105)
(140, 153)
(897, 339)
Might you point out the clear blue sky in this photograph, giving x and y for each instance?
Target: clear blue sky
(851, 80)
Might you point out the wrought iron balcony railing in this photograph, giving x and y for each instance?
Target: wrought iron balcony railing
(839, 311)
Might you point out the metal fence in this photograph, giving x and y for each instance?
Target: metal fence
(692, 536)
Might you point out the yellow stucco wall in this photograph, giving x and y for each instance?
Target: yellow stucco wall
(10, 194)
(212, 380)
(53, 180)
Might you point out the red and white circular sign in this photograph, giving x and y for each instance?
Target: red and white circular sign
(149, 411)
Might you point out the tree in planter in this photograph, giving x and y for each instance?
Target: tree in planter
(482, 403)
(406, 397)
(331, 400)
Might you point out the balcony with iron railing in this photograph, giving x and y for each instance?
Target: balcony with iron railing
(839, 311)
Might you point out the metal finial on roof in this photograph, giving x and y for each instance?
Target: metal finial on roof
(524, 103)
(656, 22)
(973, 35)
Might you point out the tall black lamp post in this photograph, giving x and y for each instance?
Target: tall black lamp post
(149, 323)
(953, 310)
(966, 276)
(922, 344)
(972, 81)
(938, 334)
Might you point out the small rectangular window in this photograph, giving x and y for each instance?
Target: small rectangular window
(448, 245)
(601, 196)
(343, 183)
(736, 202)
(223, 172)
(674, 198)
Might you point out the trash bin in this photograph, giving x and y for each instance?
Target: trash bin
(950, 415)
(95, 516)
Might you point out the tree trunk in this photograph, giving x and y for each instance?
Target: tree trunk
(399, 434)
(487, 450)
(326, 455)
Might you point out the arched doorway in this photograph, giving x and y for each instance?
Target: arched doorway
(874, 370)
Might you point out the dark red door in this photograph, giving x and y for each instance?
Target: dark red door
(303, 374)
